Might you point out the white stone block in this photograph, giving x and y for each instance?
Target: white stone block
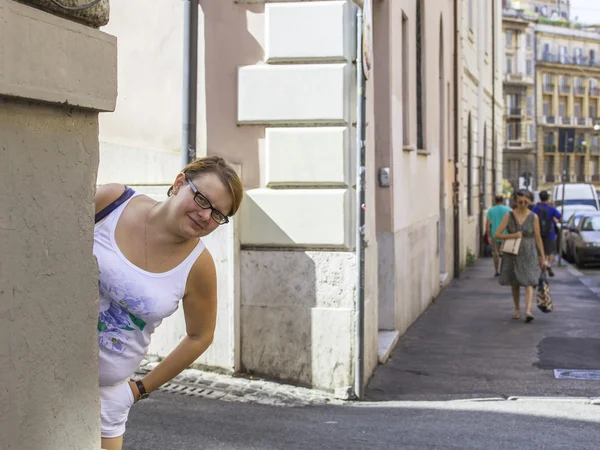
(312, 156)
(309, 31)
(297, 93)
(296, 218)
(332, 339)
(294, 278)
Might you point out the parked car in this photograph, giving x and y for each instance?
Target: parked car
(575, 194)
(571, 218)
(586, 240)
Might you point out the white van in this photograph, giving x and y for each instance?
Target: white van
(575, 194)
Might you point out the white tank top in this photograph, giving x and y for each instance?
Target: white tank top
(133, 302)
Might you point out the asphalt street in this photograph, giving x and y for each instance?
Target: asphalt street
(173, 422)
(464, 376)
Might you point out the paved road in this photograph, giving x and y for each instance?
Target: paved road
(466, 344)
(172, 422)
(445, 387)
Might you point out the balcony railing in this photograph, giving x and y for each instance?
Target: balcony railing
(579, 90)
(549, 87)
(594, 91)
(579, 148)
(566, 120)
(564, 88)
(595, 149)
(550, 178)
(549, 119)
(514, 111)
(549, 148)
(580, 178)
(569, 60)
(582, 121)
(595, 178)
(514, 143)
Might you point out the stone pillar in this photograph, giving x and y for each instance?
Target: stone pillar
(55, 76)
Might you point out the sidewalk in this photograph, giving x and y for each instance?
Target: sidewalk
(466, 345)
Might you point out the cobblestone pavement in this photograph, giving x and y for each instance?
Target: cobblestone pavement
(199, 383)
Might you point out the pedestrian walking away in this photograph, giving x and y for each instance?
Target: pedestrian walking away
(150, 256)
(493, 219)
(548, 217)
(522, 269)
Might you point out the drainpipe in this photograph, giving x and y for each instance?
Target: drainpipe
(190, 80)
(360, 211)
(456, 187)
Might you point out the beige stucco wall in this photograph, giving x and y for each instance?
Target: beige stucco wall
(411, 210)
(48, 297)
(55, 75)
(476, 102)
(49, 395)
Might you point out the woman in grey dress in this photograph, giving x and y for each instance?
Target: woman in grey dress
(525, 268)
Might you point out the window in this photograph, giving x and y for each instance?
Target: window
(470, 14)
(419, 66)
(577, 110)
(486, 27)
(530, 106)
(546, 53)
(549, 165)
(594, 165)
(405, 90)
(593, 111)
(509, 65)
(529, 41)
(564, 52)
(513, 131)
(562, 109)
(530, 133)
(529, 67)
(509, 38)
(548, 80)
(592, 57)
(549, 139)
(578, 81)
(546, 109)
(469, 167)
(565, 161)
(577, 55)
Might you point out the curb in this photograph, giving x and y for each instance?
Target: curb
(199, 383)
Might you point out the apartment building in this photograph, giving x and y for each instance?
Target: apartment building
(568, 95)
(518, 27)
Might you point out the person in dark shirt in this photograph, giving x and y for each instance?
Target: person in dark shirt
(548, 216)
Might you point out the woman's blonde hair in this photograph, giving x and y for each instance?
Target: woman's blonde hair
(218, 166)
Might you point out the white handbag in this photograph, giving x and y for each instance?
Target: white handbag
(511, 246)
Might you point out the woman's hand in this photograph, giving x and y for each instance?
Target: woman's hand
(517, 235)
(542, 262)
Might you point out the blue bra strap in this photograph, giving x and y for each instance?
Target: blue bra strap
(114, 205)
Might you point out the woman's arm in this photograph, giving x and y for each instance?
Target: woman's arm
(538, 237)
(200, 311)
(499, 232)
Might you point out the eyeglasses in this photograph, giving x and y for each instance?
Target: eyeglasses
(203, 203)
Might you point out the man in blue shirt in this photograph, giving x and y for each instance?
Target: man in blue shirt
(494, 216)
(549, 216)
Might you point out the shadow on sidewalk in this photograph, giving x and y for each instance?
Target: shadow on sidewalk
(466, 345)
